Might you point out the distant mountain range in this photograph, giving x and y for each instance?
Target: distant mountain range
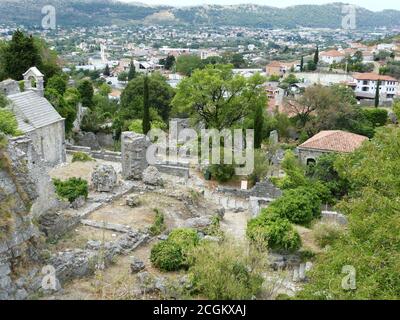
(107, 12)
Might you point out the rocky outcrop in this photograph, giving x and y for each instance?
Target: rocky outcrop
(104, 178)
(134, 147)
(19, 236)
(152, 176)
(78, 263)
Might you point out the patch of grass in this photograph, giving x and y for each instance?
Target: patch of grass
(71, 189)
(82, 157)
(158, 225)
(326, 233)
(227, 271)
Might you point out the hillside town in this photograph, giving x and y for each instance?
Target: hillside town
(124, 154)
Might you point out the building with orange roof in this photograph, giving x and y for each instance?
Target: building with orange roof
(277, 68)
(332, 56)
(329, 141)
(365, 85)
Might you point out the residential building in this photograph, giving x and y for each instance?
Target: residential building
(329, 141)
(332, 56)
(365, 84)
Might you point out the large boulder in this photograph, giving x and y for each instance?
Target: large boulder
(104, 178)
(152, 176)
(199, 223)
(137, 265)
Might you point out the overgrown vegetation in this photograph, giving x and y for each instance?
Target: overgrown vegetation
(71, 189)
(227, 271)
(326, 233)
(271, 231)
(172, 254)
(81, 157)
(371, 244)
(158, 225)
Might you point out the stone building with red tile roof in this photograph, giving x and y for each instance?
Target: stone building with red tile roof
(329, 141)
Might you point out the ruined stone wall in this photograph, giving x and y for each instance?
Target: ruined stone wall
(49, 142)
(133, 147)
(26, 192)
(18, 234)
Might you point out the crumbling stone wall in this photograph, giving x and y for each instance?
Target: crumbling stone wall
(134, 147)
(18, 235)
(26, 192)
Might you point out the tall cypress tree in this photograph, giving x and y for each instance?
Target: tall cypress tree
(107, 71)
(258, 125)
(302, 64)
(132, 71)
(377, 94)
(146, 106)
(316, 56)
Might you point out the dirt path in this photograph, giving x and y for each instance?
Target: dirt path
(234, 224)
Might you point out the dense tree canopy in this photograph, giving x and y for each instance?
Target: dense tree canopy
(160, 95)
(371, 245)
(23, 52)
(217, 97)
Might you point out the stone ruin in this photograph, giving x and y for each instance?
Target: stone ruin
(134, 147)
(104, 178)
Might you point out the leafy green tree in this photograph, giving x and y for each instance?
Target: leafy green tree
(105, 90)
(169, 62)
(3, 100)
(86, 91)
(146, 106)
(58, 83)
(311, 66)
(217, 97)
(237, 60)
(186, 64)
(19, 55)
(160, 96)
(396, 110)
(300, 206)
(132, 71)
(123, 76)
(8, 122)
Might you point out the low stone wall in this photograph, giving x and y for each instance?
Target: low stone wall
(262, 189)
(96, 154)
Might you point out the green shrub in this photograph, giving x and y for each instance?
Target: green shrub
(227, 271)
(222, 172)
(71, 189)
(173, 253)
(81, 156)
(167, 256)
(8, 123)
(275, 232)
(184, 238)
(326, 233)
(299, 206)
(377, 117)
(159, 225)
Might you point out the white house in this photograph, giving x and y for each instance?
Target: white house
(365, 86)
(332, 56)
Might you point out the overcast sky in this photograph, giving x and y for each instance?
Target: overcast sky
(375, 5)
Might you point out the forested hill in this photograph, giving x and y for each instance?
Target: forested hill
(108, 12)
